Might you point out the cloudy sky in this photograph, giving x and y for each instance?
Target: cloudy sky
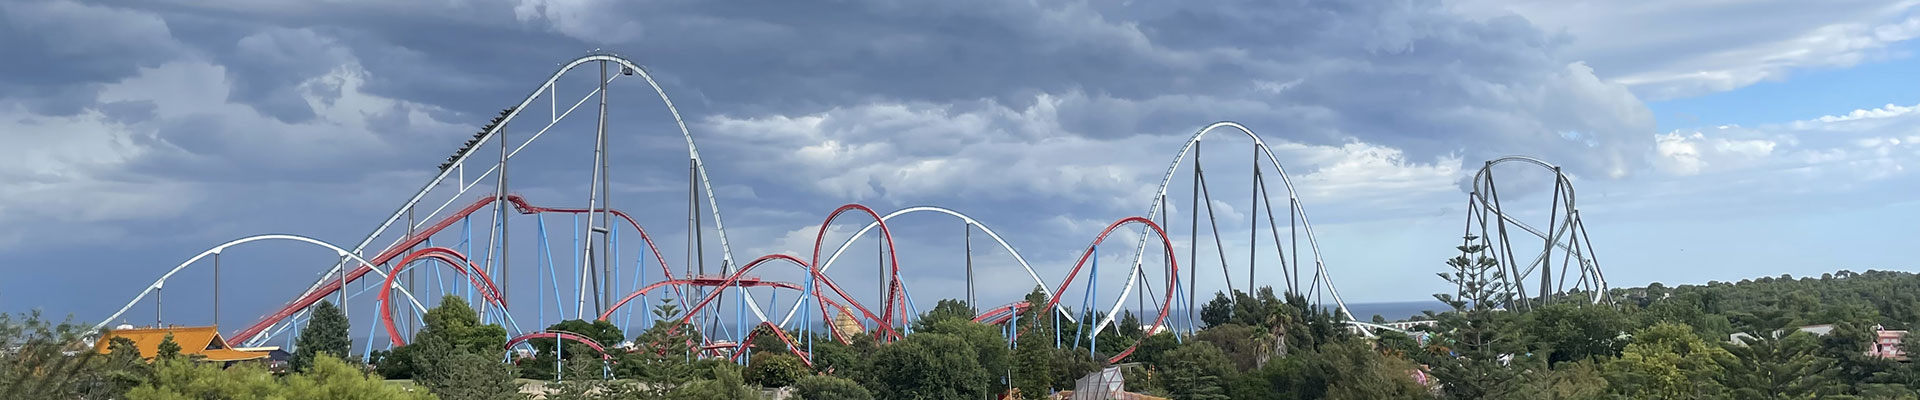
(1708, 140)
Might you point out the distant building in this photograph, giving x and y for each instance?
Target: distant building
(845, 325)
(277, 359)
(1741, 338)
(1886, 344)
(201, 341)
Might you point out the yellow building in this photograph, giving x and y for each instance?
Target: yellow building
(845, 324)
(202, 341)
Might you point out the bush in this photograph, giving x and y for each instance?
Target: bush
(775, 370)
(822, 387)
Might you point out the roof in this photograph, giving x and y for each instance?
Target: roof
(203, 341)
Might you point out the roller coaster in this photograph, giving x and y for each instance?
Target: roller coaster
(429, 229)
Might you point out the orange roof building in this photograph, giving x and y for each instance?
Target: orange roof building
(202, 341)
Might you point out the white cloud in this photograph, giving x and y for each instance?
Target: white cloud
(593, 21)
(1683, 154)
(1888, 111)
(1670, 49)
(121, 159)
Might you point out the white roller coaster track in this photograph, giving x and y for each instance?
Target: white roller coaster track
(458, 166)
(1320, 268)
(222, 247)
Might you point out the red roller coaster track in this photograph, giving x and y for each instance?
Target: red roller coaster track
(334, 285)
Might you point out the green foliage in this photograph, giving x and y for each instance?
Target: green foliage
(1572, 380)
(605, 333)
(541, 365)
(1197, 371)
(168, 349)
(660, 362)
(1070, 364)
(1667, 361)
(454, 323)
(583, 382)
(928, 366)
(944, 310)
(1153, 349)
(1470, 344)
(775, 370)
(41, 359)
(989, 346)
(326, 378)
(326, 333)
(1783, 368)
(829, 388)
(453, 374)
(832, 357)
(1217, 312)
(725, 384)
(1129, 325)
(438, 358)
(1032, 371)
(1237, 341)
(1569, 331)
(1347, 369)
(766, 342)
(394, 364)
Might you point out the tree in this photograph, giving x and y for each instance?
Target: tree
(821, 387)
(326, 333)
(452, 374)
(1153, 349)
(1344, 369)
(605, 333)
(1782, 368)
(1070, 364)
(1198, 371)
(1572, 380)
(659, 363)
(168, 349)
(455, 324)
(832, 357)
(1469, 345)
(394, 364)
(1237, 341)
(989, 346)
(1129, 325)
(765, 341)
(775, 370)
(1217, 311)
(1667, 361)
(1568, 331)
(42, 359)
(944, 310)
(453, 331)
(326, 378)
(583, 382)
(543, 365)
(725, 384)
(1033, 345)
(928, 366)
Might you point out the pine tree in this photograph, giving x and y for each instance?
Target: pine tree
(326, 333)
(461, 375)
(455, 353)
(169, 349)
(1468, 350)
(1033, 349)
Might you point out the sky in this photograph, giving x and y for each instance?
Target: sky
(1708, 140)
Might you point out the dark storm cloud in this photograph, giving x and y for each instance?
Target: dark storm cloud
(58, 51)
(1046, 119)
